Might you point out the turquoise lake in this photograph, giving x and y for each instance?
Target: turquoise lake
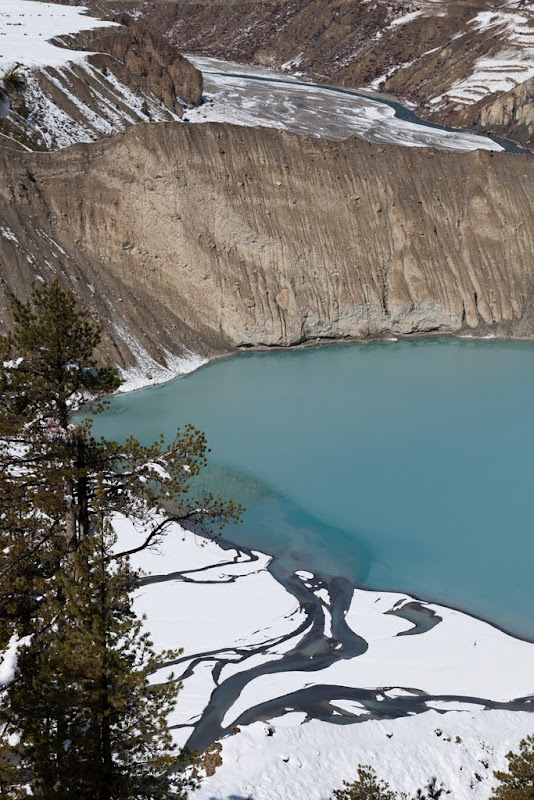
(406, 466)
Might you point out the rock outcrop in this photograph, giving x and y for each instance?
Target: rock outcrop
(510, 115)
(151, 63)
(212, 237)
(130, 76)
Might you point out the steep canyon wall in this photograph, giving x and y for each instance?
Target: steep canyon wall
(210, 237)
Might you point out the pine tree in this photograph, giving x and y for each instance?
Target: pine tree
(367, 786)
(518, 782)
(89, 723)
(55, 476)
(47, 370)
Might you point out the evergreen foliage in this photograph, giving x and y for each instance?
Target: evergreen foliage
(368, 786)
(53, 367)
(56, 478)
(90, 725)
(80, 718)
(11, 81)
(518, 782)
(432, 790)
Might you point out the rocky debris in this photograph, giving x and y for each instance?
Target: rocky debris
(212, 758)
(187, 238)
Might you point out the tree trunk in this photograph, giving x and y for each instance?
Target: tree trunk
(82, 493)
(105, 709)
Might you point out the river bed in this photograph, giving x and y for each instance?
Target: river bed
(250, 95)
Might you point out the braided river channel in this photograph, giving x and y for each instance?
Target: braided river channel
(405, 466)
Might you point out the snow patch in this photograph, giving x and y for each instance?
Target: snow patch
(148, 372)
(8, 664)
(405, 18)
(312, 759)
(8, 234)
(27, 27)
(253, 96)
(226, 610)
(461, 655)
(496, 74)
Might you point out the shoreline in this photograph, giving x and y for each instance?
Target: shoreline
(428, 606)
(271, 666)
(243, 683)
(196, 361)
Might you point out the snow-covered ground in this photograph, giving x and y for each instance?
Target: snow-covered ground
(500, 72)
(26, 28)
(149, 372)
(308, 759)
(67, 99)
(459, 656)
(112, 108)
(254, 96)
(413, 699)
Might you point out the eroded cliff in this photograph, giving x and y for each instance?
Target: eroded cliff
(510, 115)
(211, 237)
(151, 63)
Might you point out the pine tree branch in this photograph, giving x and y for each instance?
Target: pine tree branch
(158, 530)
(29, 554)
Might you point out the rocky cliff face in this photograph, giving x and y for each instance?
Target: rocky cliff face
(131, 76)
(151, 62)
(510, 115)
(213, 237)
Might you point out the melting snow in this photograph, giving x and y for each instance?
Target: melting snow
(405, 18)
(253, 96)
(25, 30)
(8, 234)
(8, 663)
(147, 371)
